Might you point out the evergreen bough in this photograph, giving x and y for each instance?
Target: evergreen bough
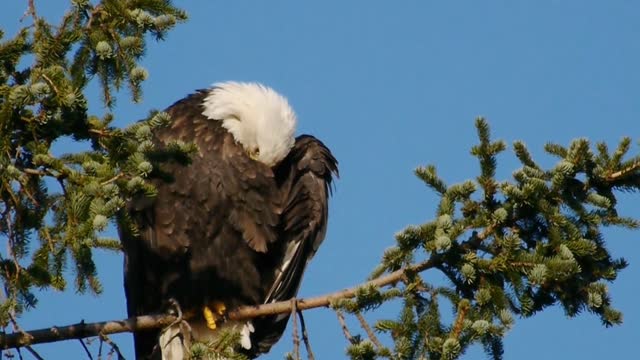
(508, 248)
(53, 209)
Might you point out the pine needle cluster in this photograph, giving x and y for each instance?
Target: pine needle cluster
(223, 348)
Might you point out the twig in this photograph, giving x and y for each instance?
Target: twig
(62, 186)
(34, 353)
(147, 322)
(367, 328)
(25, 188)
(17, 327)
(112, 179)
(618, 174)
(99, 132)
(31, 10)
(84, 346)
(477, 238)
(296, 336)
(305, 337)
(345, 329)
(459, 323)
(94, 13)
(51, 83)
(46, 172)
(13, 196)
(487, 231)
(34, 172)
(10, 246)
(113, 345)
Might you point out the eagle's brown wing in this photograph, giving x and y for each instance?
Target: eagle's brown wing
(305, 178)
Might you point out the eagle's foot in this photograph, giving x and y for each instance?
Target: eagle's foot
(215, 315)
(175, 310)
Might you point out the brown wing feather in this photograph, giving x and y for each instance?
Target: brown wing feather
(305, 177)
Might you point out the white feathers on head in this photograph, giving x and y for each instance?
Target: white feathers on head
(258, 118)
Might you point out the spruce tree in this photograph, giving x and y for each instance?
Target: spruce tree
(509, 249)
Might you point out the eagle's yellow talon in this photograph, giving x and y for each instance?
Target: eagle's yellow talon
(214, 313)
(209, 317)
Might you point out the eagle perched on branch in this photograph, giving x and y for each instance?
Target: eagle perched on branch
(235, 227)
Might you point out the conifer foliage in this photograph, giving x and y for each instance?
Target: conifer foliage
(509, 249)
(53, 208)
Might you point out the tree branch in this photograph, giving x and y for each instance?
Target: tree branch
(31, 11)
(372, 336)
(345, 329)
(147, 322)
(86, 349)
(249, 312)
(305, 337)
(114, 346)
(459, 323)
(34, 353)
(619, 174)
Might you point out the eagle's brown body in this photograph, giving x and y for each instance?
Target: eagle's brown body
(226, 228)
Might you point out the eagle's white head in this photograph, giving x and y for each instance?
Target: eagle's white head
(259, 118)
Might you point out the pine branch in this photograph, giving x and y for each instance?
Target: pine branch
(459, 322)
(114, 346)
(147, 322)
(305, 336)
(249, 312)
(31, 11)
(619, 174)
(345, 329)
(19, 330)
(34, 353)
(86, 349)
(372, 336)
(83, 330)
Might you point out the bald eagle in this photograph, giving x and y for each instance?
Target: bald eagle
(235, 227)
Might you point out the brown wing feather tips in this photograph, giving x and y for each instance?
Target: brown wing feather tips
(305, 177)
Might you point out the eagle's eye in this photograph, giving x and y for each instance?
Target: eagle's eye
(254, 153)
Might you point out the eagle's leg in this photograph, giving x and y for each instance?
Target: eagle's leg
(175, 310)
(211, 316)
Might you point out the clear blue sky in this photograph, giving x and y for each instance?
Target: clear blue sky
(390, 87)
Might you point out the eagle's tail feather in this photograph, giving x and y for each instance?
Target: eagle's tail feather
(171, 344)
(245, 335)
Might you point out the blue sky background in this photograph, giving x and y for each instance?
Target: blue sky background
(389, 86)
